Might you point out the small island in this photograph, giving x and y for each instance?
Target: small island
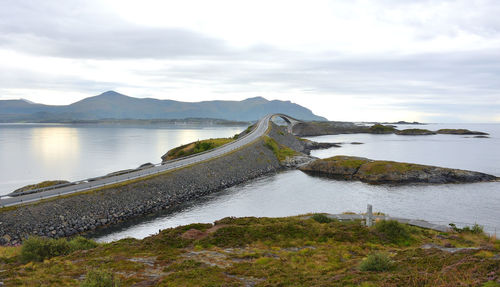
(335, 128)
(415, 132)
(378, 172)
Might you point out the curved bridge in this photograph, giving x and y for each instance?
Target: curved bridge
(288, 119)
(88, 184)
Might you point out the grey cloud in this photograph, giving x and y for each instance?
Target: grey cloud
(48, 29)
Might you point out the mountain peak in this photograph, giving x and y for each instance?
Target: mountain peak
(111, 94)
(256, 99)
(27, 101)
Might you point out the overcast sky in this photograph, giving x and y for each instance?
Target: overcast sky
(433, 61)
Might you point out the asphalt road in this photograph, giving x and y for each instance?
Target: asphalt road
(262, 126)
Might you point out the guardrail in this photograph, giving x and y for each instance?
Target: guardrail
(138, 173)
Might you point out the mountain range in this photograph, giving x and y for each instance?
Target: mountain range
(113, 105)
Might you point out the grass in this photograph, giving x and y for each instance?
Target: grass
(347, 161)
(415, 132)
(290, 251)
(394, 231)
(280, 151)
(377, 262)
(42, 184)
(381, 129)
(475, 229)
(196, 147)
(40, 248)
(384, 167)
(99, 278)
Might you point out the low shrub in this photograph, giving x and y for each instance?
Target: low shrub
(321, 218)
(475, 229)
(99, 278)
(393, 231)
(376, 262)
(82, 243)
(38, 248)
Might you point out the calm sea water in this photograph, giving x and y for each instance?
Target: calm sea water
(293, 192)
(31, 153)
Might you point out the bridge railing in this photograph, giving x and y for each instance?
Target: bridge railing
(132, 171)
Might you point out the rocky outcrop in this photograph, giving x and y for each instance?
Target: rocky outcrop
(460, 132)
(415, 132)
(327, 128)
(312, 145)
(335, 128)
(377, 172)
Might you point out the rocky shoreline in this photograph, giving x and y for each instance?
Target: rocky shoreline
(379, 172)
(334, 128)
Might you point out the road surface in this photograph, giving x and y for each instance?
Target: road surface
(80, 186)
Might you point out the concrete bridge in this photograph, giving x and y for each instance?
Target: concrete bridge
(88, 184)
(288, 119)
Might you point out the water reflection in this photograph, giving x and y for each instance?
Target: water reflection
(55, 144)
(33, 153)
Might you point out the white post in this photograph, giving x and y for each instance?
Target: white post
(369, 216)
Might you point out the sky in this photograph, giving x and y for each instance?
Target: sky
(386, 60)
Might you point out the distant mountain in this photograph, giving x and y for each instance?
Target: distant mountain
(113, 105)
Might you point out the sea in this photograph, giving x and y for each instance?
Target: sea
(31, 153)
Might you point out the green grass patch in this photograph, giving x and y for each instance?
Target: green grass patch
(196, 147)
(280, 151)
(394, 231)
(381, 129)
(474, 229)
(321, 218)
(385, 167)
(415, 132)
(377, 262)
(38, 248)
(100, 278)
(290, 251)
(347, 161)
(42, 184)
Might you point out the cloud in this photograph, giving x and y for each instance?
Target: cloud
(434, 57)
(45, 28)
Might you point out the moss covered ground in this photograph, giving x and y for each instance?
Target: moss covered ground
(196, 147)
(42, 184)
(291, 251)
(415, 132)
(280, 151)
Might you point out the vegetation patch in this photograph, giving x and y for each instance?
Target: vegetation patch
(377, 262)
(394, 231)
(290, 251)
(321, 218)
(40, 248)
(474, 229)
(348, 161)
(415, 132)
(280, 151)
(381, 129)
(42, 184)
(100, 278)
(195, 147)
(386, 167)
(460, 132)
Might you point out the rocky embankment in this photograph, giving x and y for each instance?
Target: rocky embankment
(377, 172)
(74, 214)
